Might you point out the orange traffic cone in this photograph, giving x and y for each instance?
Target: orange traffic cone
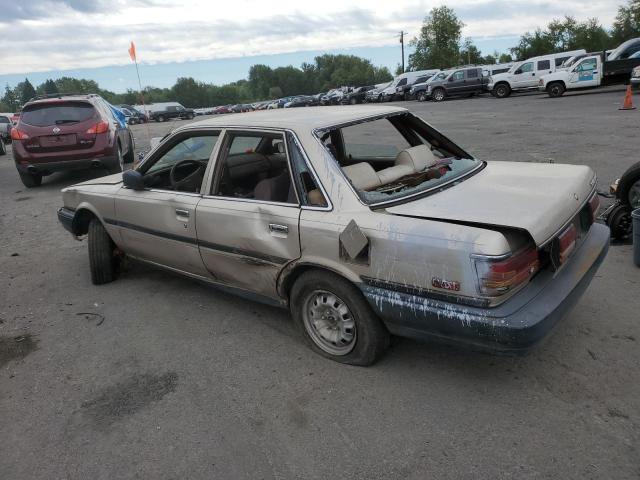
(627, 104)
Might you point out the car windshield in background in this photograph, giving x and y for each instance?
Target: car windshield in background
(47, 114)
(392, 158)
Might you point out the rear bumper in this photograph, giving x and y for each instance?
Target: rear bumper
(513, 326)
(46, 168)
(65, 217)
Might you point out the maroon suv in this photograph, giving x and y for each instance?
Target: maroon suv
(69, 132)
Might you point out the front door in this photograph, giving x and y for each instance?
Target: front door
(456, 83)
(248, 223)
(158, 223)
(585, 74)
(524, 76)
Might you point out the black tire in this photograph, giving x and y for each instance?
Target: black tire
(627, 181)
(3, 148)
(103, 261)
(160, 118)
(555, 89)
(371, 337)
(438, 95)
(31, 180)
(619, 221)
(502, 90)
(118, 165)
(353, 101)
(422, 96)
(130, 156)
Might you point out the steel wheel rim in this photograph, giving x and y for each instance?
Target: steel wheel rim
(439, 95)
(634, 195)
(329, 322)
(501, 91)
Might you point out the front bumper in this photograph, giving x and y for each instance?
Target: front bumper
(513, 326)
(65, 217)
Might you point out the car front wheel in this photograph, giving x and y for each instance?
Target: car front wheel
(335, 319)
(438, 94)
(103, 255)
(555, 90)
(502, 90)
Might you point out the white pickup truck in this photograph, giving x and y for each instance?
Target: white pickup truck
(589, 72)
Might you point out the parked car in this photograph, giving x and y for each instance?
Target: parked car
(131, 117)
(332, 97)
(140, 116)
(170, 110)
(390, 93)
(461, 82)
(588, 73)
(300, 101)
(419, 90)
(357, 95)
(523, 76)
(403, 91)
(222, 109)
(372, 235)
(5, 128)
(635, 77)
(375, 95)
(65, 132)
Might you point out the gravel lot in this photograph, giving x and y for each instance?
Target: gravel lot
(157, 376)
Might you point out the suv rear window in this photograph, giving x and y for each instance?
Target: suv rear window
(46, 114)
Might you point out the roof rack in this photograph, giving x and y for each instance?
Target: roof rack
(60, 95)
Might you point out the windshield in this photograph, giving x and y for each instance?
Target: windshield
(47, 114)
(394, 158)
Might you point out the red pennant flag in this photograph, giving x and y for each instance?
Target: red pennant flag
(132, 52)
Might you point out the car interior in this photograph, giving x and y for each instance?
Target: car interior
(390, 155)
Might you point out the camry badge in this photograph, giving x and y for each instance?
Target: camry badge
(56, 130)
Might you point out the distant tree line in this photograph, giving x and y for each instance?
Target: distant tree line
(438, 45)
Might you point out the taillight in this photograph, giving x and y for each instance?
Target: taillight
(100, 127)
(594, 206)
(18, 134)
(566, 242)
(499, 276)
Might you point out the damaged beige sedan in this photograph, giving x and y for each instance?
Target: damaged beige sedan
(363, 221)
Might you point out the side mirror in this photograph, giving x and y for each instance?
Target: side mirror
(133, 179)
(451, 79)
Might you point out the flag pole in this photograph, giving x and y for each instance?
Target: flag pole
(134, 56)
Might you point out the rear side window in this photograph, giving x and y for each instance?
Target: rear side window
(46, 114)
(544, 65)
(561, 60)
(472, 73)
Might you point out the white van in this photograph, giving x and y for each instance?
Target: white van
(524, 75)
(408, 78)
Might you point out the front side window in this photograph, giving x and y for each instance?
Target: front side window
(260, 172)
(526, 67)
(181, 167)
(459, 75)
(400, 156)
(587, 65)
(402, 82)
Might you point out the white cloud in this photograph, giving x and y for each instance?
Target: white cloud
(65, 34)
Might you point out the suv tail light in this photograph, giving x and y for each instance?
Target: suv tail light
(100, 127)
(499, 276)
(18, 134)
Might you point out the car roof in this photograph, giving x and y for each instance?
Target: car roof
(303, 119)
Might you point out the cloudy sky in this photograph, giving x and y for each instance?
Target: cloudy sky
(217, 41)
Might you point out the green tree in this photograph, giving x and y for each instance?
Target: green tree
(10, 99)
(505, 58)
(26, 91)
(470, 55)
(49, 87)
(438, 44)
(627, 22)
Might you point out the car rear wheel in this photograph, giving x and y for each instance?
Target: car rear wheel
(160, 118)
(31, 180)
(130, 156)
(104, 260)
(422, 96)
(502, 90)
(438, 94)
(335, 319)
(118, 166)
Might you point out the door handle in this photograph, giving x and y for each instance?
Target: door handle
(182, 213)
(274, 227)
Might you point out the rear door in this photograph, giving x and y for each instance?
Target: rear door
(248, 221)
(473, 77)
(543, 67)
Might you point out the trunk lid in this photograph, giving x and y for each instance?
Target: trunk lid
(538, 198)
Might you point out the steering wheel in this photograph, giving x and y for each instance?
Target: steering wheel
(192, 180)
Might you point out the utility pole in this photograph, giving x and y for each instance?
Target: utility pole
(402, 34)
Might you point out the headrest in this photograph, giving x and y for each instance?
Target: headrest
(418, 158)
(362, 175)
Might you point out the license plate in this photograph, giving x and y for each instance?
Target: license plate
(58, 140)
